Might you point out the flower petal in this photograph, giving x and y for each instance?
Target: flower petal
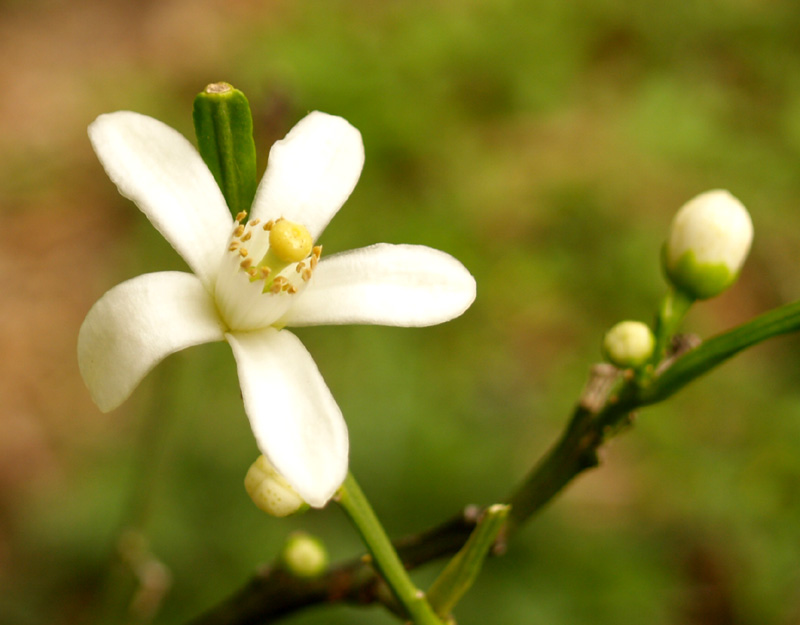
(294, 417)
(311, 172)
(396, 285)
(156, 167)
(136, 325)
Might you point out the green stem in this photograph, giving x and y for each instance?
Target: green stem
(385, 558)
(673, 309)
(462, 571)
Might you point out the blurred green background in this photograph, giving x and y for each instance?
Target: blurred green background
(546, 144)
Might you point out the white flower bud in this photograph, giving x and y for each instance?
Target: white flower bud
(270, 491)
(304, 555)
(629, 344)
(707, 244)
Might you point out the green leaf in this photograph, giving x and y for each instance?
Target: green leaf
(718, 349)
(224, 128)
(462, 571)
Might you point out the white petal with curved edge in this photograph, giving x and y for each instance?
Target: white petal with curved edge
(296, 421)
(396, 285)
(311, 172)
(137, 324)
(156, 167)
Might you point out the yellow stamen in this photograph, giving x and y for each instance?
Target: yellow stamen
(277, 285)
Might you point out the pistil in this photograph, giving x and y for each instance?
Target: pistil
(289, 244)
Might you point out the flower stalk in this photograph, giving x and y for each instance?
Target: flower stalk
(384, 557)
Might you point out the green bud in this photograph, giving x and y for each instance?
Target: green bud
(304, 555)
(224, 128)
(708, 242)
(629, 344)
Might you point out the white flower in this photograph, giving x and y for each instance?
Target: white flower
(245, 290)
(708, 242)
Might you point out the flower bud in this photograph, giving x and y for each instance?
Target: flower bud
(629, 344)
(270, 491)
(304, 555)
(707, 244)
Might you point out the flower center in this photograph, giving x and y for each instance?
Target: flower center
(264, 263)
(287, 243)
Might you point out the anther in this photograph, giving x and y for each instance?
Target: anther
(252, 272)
(247, 236)
(243, 252)
(291, 290)
(265, 271)
(238, 231)
(255, 222)
(233, 246)
(300, 266)
(241, 216)
(277, 285)
(313, 262)
(246, 264)
(268, 225)
(306, 275)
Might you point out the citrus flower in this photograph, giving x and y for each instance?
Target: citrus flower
(253, 277)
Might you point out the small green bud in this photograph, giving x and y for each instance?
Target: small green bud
(304, 555)
(223, 125)
(629, 344)
(708, 242)
(270, 491)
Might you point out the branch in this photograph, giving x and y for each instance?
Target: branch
(606, 408)
(274, 592)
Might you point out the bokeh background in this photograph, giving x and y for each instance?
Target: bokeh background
(544, 143)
